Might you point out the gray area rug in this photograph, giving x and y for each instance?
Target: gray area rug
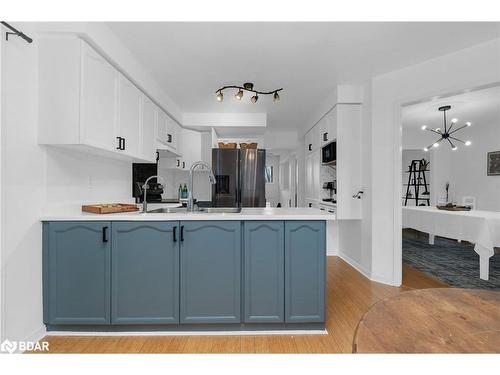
(451, 262)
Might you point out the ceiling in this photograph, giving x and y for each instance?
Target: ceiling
(481, 107)
(191, 60)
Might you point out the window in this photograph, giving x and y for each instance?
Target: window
(269, 174)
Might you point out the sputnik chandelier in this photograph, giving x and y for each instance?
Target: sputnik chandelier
(446, 133)
(248, 86)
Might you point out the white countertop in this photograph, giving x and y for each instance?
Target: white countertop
(245, 214)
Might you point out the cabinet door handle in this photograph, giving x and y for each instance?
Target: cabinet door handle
(157, 156)
(119, 143)
(175, 234)
(310, 146)
(182, 233)
(325, 136)
(310, 204)
(104, 234)
(169, 138)
(183, 165)
(123, 146)
(178, 162)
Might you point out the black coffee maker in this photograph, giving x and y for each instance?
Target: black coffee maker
(331, 186)
(140, 173)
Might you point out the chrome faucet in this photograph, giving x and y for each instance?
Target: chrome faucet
(145, 187)
(211, 178)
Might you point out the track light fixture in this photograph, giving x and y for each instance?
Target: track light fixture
(446, 134)
(248, 86)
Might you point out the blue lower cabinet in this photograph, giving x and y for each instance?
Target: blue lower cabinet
(145, 273)
(76, 259)
(305, 262)
(264, 263)
(210, 269)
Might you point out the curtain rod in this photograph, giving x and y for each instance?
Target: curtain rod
(15, 32)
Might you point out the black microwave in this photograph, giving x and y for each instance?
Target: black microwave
(329, 153)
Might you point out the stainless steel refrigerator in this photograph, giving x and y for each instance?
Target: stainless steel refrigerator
(240, 178)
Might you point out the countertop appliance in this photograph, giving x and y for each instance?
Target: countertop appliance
(240, 178)
(140, 173)
(331, 186)
(329, 153)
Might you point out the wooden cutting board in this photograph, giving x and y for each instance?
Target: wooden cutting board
(109, 208)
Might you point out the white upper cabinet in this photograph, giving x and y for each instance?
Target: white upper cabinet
(148, 140)
(86, 103)
(98, 102)
(168, 133)
(328, 127)
(129, 117)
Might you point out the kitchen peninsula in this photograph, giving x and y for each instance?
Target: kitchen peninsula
(259, 269)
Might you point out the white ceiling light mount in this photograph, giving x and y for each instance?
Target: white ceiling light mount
(447, 133)
(248, 86)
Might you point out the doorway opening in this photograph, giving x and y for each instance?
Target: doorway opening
(450, 168)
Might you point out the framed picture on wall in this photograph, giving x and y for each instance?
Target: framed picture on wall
(493, 163)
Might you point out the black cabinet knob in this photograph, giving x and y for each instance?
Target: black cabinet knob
(310, 146)
(104, 234)
(325, 136)
(119, 143)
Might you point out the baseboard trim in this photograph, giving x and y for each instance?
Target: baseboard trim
(35, 336)
(189, 333)
(383, 280)
(356, 265)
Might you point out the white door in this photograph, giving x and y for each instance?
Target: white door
(148, 149)
(98, 114)
(129, 116)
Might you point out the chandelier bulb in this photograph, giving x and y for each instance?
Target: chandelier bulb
(454, 120)
(468, 143)
(424, 127)
(426, 149)
(468, 123)
(454, 148)
(435, 145)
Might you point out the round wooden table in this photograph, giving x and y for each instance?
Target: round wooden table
(444, 320)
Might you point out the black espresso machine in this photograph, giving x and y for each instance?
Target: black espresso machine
(140, 173)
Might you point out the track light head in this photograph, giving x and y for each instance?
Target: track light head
(220, 96)
(239, 95)
(276, 97)
(255, 98)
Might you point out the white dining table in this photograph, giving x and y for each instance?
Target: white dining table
(482, 228)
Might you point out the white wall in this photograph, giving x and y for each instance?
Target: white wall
(465, 69)
(273, 190)
(465, 168)
(36, 179)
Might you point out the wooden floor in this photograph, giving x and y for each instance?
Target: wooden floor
(349, 296)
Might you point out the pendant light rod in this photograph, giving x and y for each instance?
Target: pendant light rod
(245, 89)
(15, 32)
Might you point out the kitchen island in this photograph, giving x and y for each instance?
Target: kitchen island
(259, 269)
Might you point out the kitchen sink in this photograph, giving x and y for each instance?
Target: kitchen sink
(168, 210)
(220, 210)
